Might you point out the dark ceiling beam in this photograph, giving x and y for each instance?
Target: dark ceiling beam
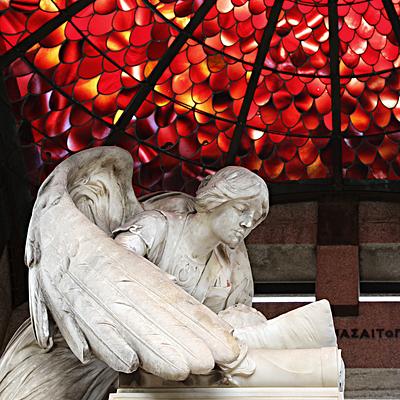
(336, 142)
(148, 84)
(23, 46)
(251, 87)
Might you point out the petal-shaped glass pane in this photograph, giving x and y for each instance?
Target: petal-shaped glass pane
(19, 19)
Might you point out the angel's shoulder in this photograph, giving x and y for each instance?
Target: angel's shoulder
(151, 223)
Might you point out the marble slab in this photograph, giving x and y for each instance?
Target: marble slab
(237, 393)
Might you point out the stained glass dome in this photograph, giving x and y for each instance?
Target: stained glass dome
(297, 91)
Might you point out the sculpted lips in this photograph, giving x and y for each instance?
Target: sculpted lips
(239, 232)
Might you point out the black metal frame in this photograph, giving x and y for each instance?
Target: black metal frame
(336, 142)
(16, 52)
(308, 288)
(317, 189)
(161, 66)
(252, 86)
(394, 19)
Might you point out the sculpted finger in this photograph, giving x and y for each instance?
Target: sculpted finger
(150, 282)
(64, 318)
(210, 329)
(166, 347)
(38, 311)
(104, 334)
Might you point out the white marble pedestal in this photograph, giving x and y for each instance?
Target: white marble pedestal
(237, 393)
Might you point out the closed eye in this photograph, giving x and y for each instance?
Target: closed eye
(258, 218)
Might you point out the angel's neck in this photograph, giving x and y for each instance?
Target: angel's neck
(199, 238)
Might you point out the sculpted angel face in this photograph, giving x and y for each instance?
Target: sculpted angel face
(233, 220)
(236, 200)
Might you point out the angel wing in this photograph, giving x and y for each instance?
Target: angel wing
(107, 301)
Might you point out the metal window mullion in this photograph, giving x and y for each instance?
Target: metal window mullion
(336, 141)
(251, 88)
(159, 69)
(23, 46)
(393, 17)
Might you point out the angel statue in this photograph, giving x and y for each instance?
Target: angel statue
(162, 286)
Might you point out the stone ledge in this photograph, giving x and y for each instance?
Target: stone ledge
(239, 393)
(380, 261)
(372, 383)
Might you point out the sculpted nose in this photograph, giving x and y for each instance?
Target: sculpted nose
(247, 221)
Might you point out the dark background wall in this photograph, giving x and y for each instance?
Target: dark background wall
(15, 206)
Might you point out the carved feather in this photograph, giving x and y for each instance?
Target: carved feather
(38, 311)
(129, 306)
(103, 297)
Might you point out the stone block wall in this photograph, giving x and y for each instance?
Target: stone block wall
(379, 241)
(283, 247)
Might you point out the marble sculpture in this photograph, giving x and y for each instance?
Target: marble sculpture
(162, 286)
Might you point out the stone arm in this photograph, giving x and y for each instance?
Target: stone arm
(108, 302)
(132, 242)
(145, 235)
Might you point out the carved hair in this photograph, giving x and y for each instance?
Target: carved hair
(231, 183)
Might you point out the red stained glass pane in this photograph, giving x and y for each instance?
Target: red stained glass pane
(19, 19)
(72, 87)
(369, 112)
(231, 28)
(178, 12)
(285, 112)
(214, 86)
(372, 158)
(367, 42)
(300, 43)
(369, 101)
